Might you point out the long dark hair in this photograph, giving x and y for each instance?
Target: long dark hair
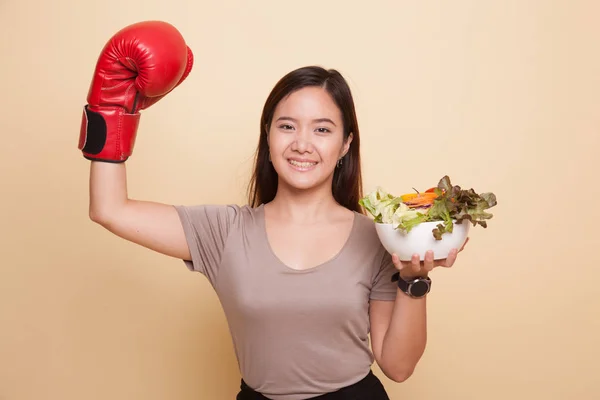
(347, 178)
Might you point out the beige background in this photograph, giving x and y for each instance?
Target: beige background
(503, 96)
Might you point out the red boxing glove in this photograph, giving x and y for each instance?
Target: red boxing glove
(138, 66)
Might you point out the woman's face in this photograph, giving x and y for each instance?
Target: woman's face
(306, 138)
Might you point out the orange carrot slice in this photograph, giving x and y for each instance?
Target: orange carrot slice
(418, 199)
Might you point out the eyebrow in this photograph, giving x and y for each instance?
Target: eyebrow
(314, 120)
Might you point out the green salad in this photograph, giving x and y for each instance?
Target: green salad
(446, 203)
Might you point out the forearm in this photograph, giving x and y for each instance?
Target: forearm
(406, 337)
(108, 189)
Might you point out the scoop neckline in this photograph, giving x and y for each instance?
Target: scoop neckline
(287, 268)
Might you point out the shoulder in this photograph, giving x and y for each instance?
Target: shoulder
(382, 267)
(366, 226)
(229, 209)
(245, 213)
(223, 215)
(366, 235)
(363, 219)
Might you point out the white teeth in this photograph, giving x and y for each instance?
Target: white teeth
(304, 164)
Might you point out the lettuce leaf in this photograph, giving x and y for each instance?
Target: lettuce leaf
(406, 218)
(381, 205)
(453, 204)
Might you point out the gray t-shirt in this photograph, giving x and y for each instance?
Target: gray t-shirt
(296, 333)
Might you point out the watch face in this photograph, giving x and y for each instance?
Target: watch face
(419, 288)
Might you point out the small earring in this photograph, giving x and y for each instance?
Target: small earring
(269, 157)
(339, 162)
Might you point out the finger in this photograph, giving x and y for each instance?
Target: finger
(416, 263)
(428, 264)
(399, 264)
(449, 261)
(463, 246)
(396, 261)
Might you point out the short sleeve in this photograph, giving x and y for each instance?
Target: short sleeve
(383, 288)
(206, 228)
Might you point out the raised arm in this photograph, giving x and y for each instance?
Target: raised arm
(150, 224)
(138, 66)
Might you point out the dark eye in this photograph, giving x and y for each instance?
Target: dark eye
(286, 127)
(323, 130)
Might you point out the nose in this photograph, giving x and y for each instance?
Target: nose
(302, 141)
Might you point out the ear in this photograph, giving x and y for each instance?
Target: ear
(347, 144)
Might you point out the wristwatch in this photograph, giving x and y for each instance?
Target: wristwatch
(416, 287)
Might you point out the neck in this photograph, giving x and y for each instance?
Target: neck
(304, 206)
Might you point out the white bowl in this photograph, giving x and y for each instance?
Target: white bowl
(420, 239)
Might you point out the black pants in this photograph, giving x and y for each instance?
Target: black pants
(368, 388)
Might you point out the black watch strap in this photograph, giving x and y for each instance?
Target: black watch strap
(416, 287)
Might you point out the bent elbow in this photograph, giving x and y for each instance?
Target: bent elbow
(400, 375)
(96, 216)
(100, 217)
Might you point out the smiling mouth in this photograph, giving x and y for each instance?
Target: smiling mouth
(302, 164)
